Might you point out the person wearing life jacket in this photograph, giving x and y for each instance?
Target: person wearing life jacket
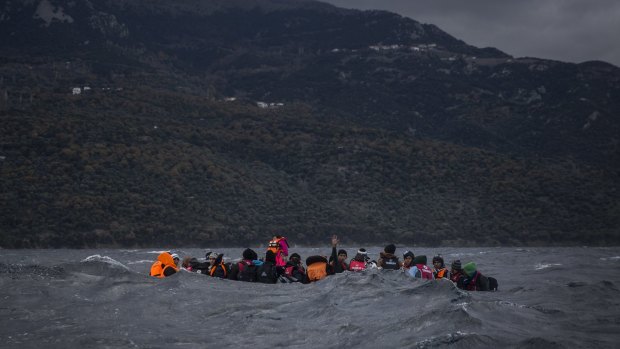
(164, 266)
(439, 268)
(317, 269)
(358, 263)
(387, 259)
(408, 257)
(420, 269)
(473, 280)
(279, 246)
(456, 272)
(267, 273)
(337, 260)
(216, 267)
(294, 270)
(245, 269)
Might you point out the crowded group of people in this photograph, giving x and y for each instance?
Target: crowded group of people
(278, 266)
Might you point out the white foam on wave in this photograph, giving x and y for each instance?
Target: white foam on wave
(614, 258)
(104, 259)
(511, 304)
(443, 339)
(541, 266)
(468, 254)
(143, 261)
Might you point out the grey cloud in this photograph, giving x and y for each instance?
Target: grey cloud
(566, 30)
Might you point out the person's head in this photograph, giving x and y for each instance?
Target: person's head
(438, 262)
(391, 248)
(270, 256)
(249, 254)
(419, 259)
(342, 256)
(166, 259)
(175, 258)
(186, 262)
(361, 255)
(456, 265)
(408, 257)
(295, 258)
(469, 269)
(212, 257)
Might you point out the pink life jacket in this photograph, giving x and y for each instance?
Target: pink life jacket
(425, 271)
(357, 265)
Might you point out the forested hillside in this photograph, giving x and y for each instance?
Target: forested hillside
(151, 123)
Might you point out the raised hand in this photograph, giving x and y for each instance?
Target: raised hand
(335, 240)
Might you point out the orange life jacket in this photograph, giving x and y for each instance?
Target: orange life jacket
(214, 268)
(317, 271)
(164, 261)
(441, 273)
(274, 245)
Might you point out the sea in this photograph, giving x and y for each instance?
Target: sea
(553, 297)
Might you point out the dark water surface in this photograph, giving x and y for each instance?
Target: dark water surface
(548, 298)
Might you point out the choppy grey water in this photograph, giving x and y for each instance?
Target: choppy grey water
(548, 298)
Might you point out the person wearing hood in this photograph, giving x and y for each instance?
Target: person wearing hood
(338, 259)
(318, 269)
(246, 268)
(294, 270)
(439, 268)
(279, 246)
(359, 262)
(473, 280)
(387, 259)
(267, 273)
(408, 257)
(164, 266)
(216, 266)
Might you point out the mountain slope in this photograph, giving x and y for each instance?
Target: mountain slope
(388, 129)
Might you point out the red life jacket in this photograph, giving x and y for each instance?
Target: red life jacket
(454, 277)
(472, 285)
(289, 270)
(247, 271)
(425, 271)
(357, 265)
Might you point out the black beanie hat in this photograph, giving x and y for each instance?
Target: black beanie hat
(295, 255)
(439, 259)
(456, 265)
(249, 254)
(408, 254)
(342, 252)
(390, 248)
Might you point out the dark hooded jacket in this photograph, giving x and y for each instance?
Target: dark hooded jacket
(388, 261)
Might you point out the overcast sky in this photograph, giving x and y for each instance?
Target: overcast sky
(565, 30)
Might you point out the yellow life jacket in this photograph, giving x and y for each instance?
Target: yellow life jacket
(317, 271)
